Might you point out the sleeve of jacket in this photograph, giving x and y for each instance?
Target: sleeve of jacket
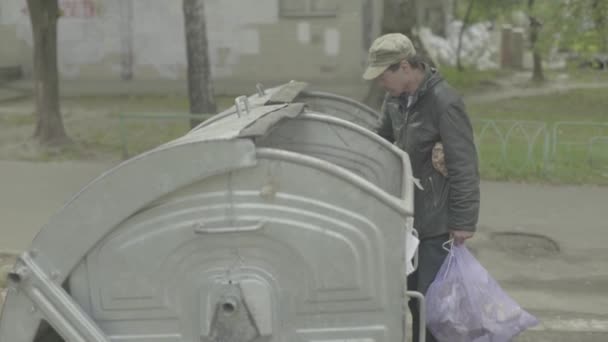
(462, 164)
(385, 126)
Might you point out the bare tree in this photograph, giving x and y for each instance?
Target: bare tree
(535, 27)
(49, 124)
(599, 10)
(465, 24)
(200, 88)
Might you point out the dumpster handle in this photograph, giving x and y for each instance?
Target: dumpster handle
(261, 90)
(416, 255)
(241, 101)
(421, 313)
(201, 229)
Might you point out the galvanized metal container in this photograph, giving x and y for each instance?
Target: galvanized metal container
(270, 223)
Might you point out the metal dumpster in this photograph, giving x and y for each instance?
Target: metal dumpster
(274, 223)
(326, 103)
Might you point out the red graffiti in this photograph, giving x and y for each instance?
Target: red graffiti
(78, 8)
(74, 8)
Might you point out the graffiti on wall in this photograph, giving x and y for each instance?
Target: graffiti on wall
(78, 8)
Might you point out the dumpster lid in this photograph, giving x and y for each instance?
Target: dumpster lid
(255, 122)
(286, 93)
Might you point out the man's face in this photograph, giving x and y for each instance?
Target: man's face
(394, 82)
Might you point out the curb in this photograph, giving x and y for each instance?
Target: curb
(572, 325)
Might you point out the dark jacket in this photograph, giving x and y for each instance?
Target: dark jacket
(436, 113)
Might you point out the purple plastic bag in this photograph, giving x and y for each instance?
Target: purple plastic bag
(465, 304)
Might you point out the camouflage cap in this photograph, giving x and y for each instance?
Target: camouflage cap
(387, 50)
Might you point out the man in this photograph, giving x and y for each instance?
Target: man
(421, 110)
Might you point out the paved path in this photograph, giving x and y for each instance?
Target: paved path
(31, 192)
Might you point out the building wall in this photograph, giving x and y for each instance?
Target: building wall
(250, 40)
(10, 45)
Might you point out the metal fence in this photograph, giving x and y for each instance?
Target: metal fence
(514, 145)
(506, 148)
(598, 156)
(571, 151)
(580, 137)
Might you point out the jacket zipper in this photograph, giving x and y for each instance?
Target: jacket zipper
(433, 192)
(403, 130)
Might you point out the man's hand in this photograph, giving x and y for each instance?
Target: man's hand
(460, 236)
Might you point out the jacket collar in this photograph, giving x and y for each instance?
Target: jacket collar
(431, 78)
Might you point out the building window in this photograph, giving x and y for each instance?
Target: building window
(308, 8)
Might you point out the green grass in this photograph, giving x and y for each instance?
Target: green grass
(140, 134)
(13, 120)
(573, 105)
(576, 74)
(572, 162)
(145, 134)
(93, 124)
(471, 81)
(508, 151)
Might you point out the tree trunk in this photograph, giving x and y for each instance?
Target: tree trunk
(535, 26)
(126, 40)
(49, 124)
(200, 89)
(599, 10)
(465, 23)
(537, 73)
(537, 69)
(398, 16)
(447, 9)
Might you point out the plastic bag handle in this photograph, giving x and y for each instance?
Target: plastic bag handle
(415, 263)
(421, 313)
